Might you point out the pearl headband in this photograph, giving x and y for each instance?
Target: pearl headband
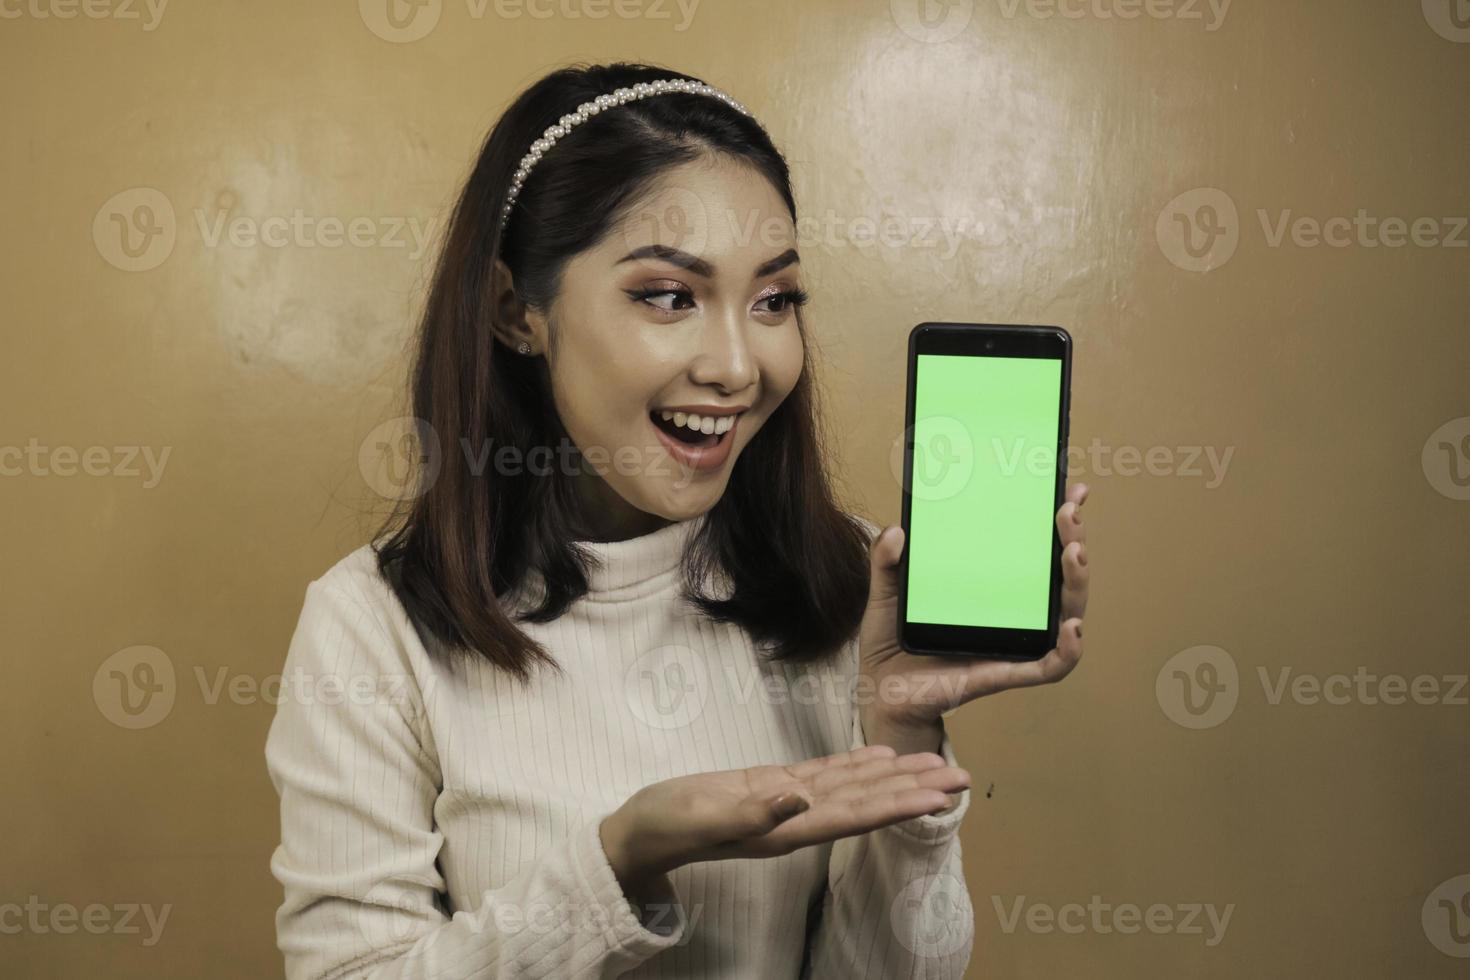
(586, 110)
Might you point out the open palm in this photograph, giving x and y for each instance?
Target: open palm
(731, 814)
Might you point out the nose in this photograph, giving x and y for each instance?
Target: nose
(725, 359)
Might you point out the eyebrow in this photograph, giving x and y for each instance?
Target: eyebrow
(699, 266)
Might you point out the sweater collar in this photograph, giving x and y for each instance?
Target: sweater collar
(618, 565)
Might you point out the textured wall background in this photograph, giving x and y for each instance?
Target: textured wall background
(1251, 216)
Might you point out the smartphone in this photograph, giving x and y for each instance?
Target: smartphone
(984, 472)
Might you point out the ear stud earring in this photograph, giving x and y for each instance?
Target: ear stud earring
(525, 348)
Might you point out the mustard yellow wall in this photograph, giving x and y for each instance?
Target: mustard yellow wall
(1268, 421)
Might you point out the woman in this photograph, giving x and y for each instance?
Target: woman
(635, 700)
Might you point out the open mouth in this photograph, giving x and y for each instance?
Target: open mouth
(694, 431)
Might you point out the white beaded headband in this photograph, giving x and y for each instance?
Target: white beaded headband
(586, 110)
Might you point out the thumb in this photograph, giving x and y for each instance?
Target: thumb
(761, 815)
(883, 557)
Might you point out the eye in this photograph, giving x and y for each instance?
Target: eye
(784, 301)
(657, 298)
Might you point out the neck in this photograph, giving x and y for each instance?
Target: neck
(606, 516)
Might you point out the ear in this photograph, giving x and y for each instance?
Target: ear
(514, 323)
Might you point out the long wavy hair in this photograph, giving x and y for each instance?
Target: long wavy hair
(451, 552)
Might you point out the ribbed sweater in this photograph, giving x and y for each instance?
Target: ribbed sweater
(442, 821)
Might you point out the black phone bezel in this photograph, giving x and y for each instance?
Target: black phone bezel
(1005, 340)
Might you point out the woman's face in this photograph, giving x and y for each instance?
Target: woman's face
(687, 302)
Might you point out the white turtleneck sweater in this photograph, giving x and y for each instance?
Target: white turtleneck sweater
(443, 822)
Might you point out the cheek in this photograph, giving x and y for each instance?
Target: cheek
(603, 406)
(602, 374)
(781, 362)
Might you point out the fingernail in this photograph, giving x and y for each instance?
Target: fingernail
(1082, 556)
(1076, 515)
(1079, 631)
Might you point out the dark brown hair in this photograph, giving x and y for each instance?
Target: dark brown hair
(797, 563)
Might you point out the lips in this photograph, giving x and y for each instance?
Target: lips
(696, 457)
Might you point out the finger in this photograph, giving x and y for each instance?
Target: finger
(1070, 526)
(1075, 578)
(883, 558)
(758, 818)
(946, 779)
(1077, 493)
(865, 772)
(993, 676)
(810, 768)
(755, 816)
(883, 809)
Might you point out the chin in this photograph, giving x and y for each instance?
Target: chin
(686, 502)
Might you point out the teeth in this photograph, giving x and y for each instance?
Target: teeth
(707, 424)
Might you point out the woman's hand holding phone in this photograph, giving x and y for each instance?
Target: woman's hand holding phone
(906, 694)
(767, 811)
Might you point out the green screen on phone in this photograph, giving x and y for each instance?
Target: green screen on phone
(983, 490)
